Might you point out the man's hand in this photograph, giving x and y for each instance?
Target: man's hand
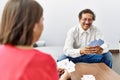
(91, 50)
(98, 49)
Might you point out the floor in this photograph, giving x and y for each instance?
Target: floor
(116, 62)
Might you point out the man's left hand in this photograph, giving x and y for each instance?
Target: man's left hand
(98, 49)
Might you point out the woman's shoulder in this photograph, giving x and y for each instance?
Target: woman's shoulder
(41, 64)
(43, 57)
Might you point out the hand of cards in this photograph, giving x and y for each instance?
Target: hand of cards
(66, 64)
(96, 43)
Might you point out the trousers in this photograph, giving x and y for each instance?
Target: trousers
(90, 58)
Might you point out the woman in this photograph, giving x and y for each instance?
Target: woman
(21, 27)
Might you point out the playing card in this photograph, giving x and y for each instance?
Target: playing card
(96, 42)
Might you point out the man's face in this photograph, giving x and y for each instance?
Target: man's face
(86, 20)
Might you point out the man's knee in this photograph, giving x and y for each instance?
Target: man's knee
(107, 59)
(107, 56)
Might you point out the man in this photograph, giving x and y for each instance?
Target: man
(76, 46)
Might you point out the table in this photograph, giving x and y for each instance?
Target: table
(99, 70)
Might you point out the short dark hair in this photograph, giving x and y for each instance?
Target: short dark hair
(18, 20)
(86, 11)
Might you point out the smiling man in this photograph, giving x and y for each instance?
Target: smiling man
(78, 37)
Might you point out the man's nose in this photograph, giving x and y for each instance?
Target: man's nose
(87, 21)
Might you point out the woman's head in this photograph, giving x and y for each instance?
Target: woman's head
(21, 20)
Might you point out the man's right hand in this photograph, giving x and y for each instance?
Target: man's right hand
(88, 50)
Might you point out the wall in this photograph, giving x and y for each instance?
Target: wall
(61, 15)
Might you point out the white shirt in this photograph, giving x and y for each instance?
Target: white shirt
(77, 38)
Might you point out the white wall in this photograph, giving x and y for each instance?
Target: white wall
(61, 15)
(2, 4)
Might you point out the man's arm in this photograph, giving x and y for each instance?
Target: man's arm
(68, 47)
(104, 46)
